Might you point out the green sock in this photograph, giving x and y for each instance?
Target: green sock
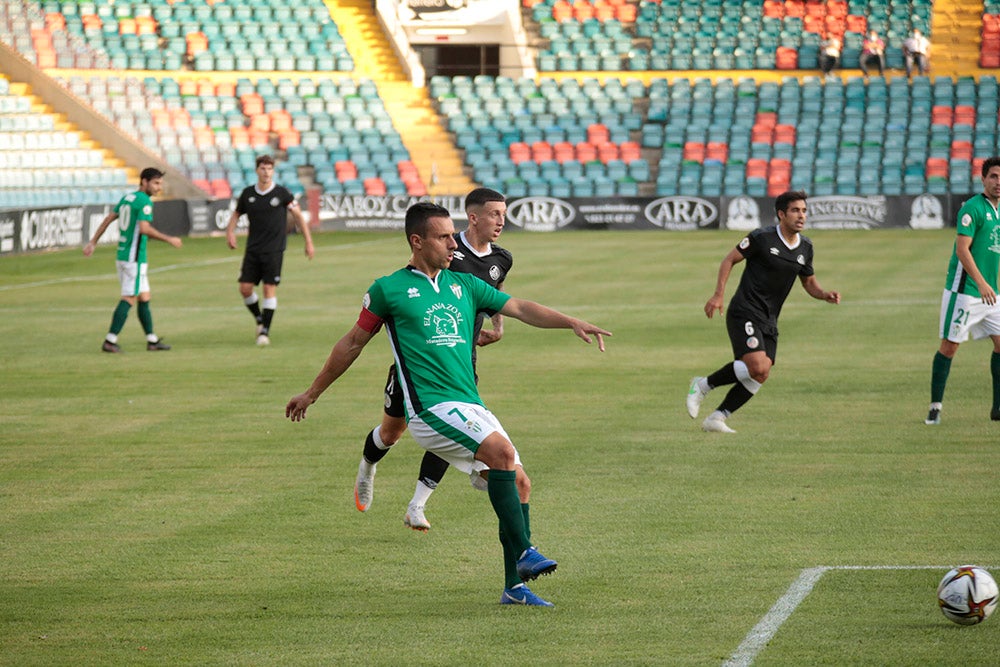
(503, 496)
(145, 317)
(118, 319)
(995, 372)
(527, 520)
(939, 376)
(510, 578)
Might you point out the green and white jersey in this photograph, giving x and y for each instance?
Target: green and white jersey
(131, 210)
(979, 219)
(430, 325)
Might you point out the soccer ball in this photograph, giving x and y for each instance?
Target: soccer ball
(967, 595)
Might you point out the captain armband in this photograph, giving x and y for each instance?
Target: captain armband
(369, 321)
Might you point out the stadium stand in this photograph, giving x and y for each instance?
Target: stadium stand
(209, 85)
(43, 164)
(716, 34)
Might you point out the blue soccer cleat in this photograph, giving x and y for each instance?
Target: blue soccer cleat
(532, 565)
(523, 595)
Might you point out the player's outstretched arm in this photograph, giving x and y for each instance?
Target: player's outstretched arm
(154, 233)
(814, 290)
(300, 222)
(544, 317)
(231, 230)
(714, 302)
(341, 357)
(88, 249)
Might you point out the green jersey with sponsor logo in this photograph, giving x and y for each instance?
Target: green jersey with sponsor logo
(131, 210)
(977, 218)
(430, 325)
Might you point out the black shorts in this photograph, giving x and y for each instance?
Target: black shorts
(749, 334)
(394, 395)
(261, 267)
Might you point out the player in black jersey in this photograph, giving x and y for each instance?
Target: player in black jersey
(479, 255)
(266, 206)
(776, 256)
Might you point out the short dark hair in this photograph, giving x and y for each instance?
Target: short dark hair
(149, 173)
(782, 201)
(481, 196)
(989, 163)
(418, 215)
(264, 159)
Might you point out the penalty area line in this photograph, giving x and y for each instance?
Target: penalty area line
(768, 626)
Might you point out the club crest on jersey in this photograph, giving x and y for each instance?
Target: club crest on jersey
(745, 243)
(753, 343)
(456, 290)
(442, 322)
(801, 260)
(495, 272)
(275, 202)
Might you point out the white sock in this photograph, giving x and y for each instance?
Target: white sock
(377, 438)
(703, 386)
(421, 494)
(743, 375)
(152, 338)
(368, 469)
(250, 300)
(270, 303)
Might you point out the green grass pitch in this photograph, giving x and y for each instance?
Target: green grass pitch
(157, 508)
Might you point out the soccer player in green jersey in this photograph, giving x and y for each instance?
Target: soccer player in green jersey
(134, 214)
(969, 303)
(429, 314)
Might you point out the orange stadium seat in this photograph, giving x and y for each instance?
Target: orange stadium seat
(937, 167)
(717, 150)
(795, 8)
(520, 152)
(289, 137)
(942, 115)
(345, 170)
(626, 13)
(374, 186)
(607, 152)
(858, 24)
(815, 24)
(586, 152)
(961, 150)
(563, 151)
(756, 168)
(220, 188)
(774, 9)
(541, 151)
(965, 115)
(694, 151)
(786, 58)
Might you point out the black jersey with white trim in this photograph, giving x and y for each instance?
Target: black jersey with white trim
(771, 269)
(267, 213)
(492, 267)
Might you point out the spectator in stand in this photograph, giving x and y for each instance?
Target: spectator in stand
(873, 51)
(829, 55)
(917, 51)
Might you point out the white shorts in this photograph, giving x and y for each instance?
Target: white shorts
(133, 278)
(454, 431)
(963, 315)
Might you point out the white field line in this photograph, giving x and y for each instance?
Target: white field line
(768, 626)
(161, 269)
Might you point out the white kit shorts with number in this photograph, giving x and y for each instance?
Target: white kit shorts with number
(963, 315)
(133, 277)
(454, 431)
